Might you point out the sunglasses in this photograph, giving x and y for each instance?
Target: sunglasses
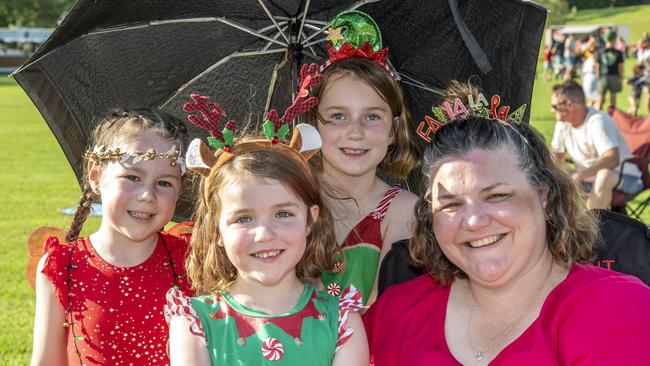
(555, 106)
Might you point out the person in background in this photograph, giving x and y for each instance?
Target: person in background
(638, 81)
(570, 57)
(609, 68)
(588, 73)
(548, 62)
(594, 143)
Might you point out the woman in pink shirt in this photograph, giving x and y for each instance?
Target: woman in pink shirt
(505, 239)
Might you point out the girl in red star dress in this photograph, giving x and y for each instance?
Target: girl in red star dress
(99, 299)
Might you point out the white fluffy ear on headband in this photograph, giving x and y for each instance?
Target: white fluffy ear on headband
(199, 158)
(306, 140)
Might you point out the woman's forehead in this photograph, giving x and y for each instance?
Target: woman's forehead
(479, 168)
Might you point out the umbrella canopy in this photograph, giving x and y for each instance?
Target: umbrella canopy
(246, 54)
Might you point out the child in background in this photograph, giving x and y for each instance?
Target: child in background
(99, 299)
(637, 81)
(261, 238)
(548, 62)
(363, 122)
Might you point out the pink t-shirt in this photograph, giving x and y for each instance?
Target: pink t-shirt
(593, 317)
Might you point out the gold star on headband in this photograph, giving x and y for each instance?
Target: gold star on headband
(334, 35)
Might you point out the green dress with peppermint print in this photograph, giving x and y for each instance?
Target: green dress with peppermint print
(361, 252)
(237, 335)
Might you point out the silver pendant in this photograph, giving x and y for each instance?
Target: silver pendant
(479, 355)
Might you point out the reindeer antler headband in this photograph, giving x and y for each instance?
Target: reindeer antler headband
(305, 140)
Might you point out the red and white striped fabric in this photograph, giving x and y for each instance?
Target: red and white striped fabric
(178, 304)
(380, 211)
(350, 301)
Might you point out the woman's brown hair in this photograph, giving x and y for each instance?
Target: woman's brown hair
(208, 266)
(571, 230)
(401, 156)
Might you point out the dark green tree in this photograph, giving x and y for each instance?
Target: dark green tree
(32, 13)
(559, 9)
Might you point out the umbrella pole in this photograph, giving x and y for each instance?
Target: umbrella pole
(295, 59)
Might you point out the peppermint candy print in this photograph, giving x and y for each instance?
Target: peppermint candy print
(272, 349)
(334, 289)
(338, 267)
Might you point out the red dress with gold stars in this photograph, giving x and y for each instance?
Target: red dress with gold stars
(117, 311)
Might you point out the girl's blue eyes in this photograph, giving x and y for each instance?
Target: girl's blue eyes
(280, 215)
(340, 117)
(243, 220)
(283, 214)
(337, 116)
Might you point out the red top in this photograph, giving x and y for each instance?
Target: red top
(593, 317)
(117, 310)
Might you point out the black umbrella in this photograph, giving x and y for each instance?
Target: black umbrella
(246, 54)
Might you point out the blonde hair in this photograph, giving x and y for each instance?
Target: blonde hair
(208, 266)
(123, 127)
(401, 156)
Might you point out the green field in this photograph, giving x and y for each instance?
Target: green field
(37, 180)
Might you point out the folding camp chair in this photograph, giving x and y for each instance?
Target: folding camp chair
(636, 132)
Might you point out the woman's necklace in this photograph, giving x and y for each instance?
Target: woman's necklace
(481, 353)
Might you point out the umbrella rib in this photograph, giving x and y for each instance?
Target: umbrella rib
(315, 42)
(307, 21)
(310, 46)
(419, 84)
(269, 27)
(302, 22)
(250, 31)
(223, 20)
(274, 37)
(268, 13)
(219, 63)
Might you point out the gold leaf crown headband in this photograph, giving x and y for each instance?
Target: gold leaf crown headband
(122, 153)
(480, 107)
(305, 140)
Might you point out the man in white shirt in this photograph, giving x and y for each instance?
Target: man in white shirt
(594, 143)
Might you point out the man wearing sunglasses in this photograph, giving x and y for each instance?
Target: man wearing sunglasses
(593, 142)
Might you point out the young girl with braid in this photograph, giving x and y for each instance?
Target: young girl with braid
(99, 299)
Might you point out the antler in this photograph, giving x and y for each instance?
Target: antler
(212, 114)
(310, 76)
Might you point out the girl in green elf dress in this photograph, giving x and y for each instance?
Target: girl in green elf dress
(262, 237)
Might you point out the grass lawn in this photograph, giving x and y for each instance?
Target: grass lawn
(37, 179)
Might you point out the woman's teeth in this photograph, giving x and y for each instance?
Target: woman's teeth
(485, 241)
(267, 254)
